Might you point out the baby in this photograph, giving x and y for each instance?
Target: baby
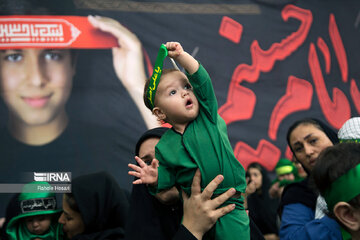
(198, 139)
(37, 218)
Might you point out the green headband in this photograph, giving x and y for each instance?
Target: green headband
(345, 234)
(344, 188)
(155, 78)
(349, 140)
(284, 170)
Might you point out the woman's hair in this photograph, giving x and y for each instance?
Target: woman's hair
(151, 133)
(305, 121)
(70, 200)
(331, 134)
(334, 162)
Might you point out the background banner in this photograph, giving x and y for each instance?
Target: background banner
(271, 62)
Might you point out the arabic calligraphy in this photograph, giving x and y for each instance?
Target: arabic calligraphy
(22, 32)
(32, 32)
(336, 109)
(38, 204)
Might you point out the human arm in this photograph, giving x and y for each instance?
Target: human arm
(146, 174)
(128, 63)
(297, 222)
(200, 211)
(176, 52)
(250, 189)
(275, 191)
(169, 196)
(199, 79)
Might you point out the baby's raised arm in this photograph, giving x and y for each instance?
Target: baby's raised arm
(176, 52)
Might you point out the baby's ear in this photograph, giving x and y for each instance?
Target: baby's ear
(346, 214)
(161, 116)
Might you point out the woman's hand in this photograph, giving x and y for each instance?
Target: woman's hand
(200, 211)
(128, 63)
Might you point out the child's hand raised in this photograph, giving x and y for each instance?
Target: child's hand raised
(147, 174)
(185, 60)
(174, 49)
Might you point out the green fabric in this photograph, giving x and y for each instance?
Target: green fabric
(155, 78)
(204, 145)
(349, 140)
(232, 226)
(344, 188)
(285, 166)
(284, 170)
(345, 235)
(284, 162)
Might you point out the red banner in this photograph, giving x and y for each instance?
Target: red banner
(52, 32)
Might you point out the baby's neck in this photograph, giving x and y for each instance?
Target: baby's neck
(180, 128)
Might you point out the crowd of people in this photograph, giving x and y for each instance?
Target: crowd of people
(179, 190)
(98, 208)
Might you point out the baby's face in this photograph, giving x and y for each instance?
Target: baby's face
(176, 99)
(38, 224)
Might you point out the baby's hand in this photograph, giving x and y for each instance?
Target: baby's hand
(147, 174)
(174, 49)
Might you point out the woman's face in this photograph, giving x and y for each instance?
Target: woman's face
(256, 177)
(71, 220)
(307, 142)
(147, 149)
(35, 83)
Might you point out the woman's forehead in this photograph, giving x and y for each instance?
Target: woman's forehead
(304, 131)
(254, 170)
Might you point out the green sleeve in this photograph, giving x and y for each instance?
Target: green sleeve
(204, 92)
(166, 176)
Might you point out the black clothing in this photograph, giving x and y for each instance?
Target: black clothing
(298, 192)
(81, 149)
(103, 206)
(150, 219)
(157, 220)
(262, 208)
(255, 233)
(151, 133)
(12, 210)
(183, 234)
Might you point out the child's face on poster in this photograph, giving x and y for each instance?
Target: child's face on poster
(35, 83)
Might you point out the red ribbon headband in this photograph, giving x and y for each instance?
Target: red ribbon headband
(52, 32)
